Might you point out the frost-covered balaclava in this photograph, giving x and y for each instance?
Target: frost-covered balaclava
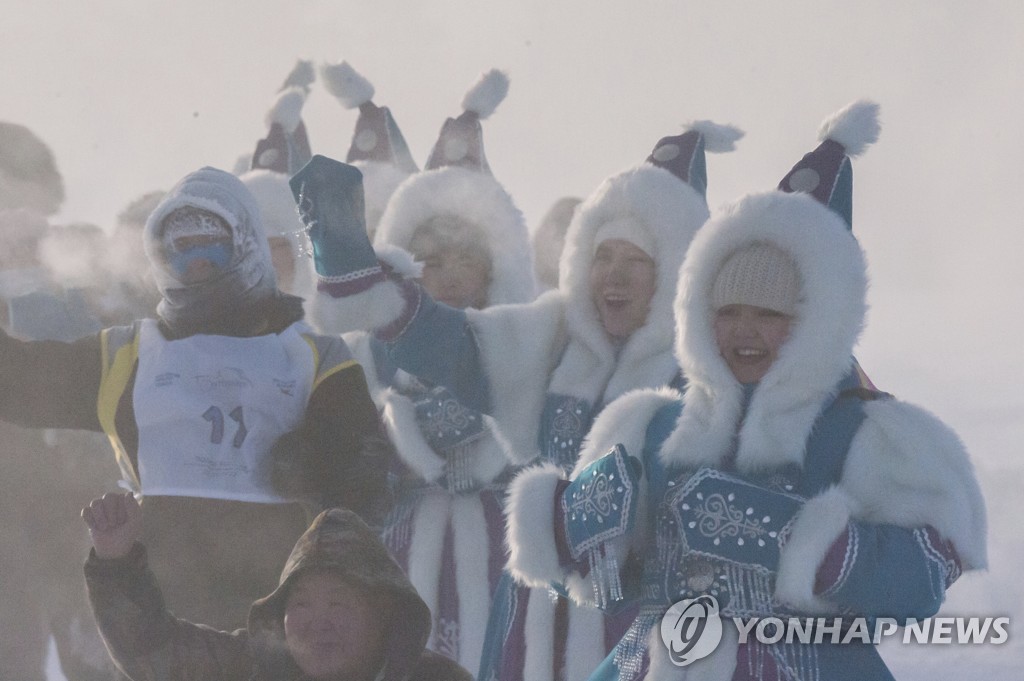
(209, 200)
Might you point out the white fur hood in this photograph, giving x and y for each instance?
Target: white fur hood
(669, 212)
(479, 199)
(829, 317)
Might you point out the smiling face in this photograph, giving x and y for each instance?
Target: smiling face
(622, 283)
(456, 264)
(749, 339)
(334, 629)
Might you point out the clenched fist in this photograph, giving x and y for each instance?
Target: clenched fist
(115, 524)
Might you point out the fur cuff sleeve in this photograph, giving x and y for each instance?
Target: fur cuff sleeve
(400, 419)
(820, 522)
(377, 306)
(530, 534)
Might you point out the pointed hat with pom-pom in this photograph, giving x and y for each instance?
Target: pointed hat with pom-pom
(826, 173)
(377, 136)
(683, 154)
(461, 142)
(302, 76)
(285, 149)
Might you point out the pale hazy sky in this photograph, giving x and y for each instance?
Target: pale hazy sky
(132, 94)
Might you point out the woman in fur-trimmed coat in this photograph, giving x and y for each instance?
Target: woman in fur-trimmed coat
(781, 482)
(447, 530)
(470, 246)
(543, 370)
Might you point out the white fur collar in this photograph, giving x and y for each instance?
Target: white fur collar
(669, 212)
(478, 198)
(817, 355)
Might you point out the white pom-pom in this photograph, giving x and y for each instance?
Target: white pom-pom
(346, 84)
(287, 109)
(486, 94)
(302, 75)
(856, 126)
(718, 138)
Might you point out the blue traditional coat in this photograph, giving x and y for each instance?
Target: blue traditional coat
(732, 552)
(870, 504)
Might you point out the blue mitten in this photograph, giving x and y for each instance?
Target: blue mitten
(329, 195)
(450, 427)
(598, 506)
(731, 531)
(724, 516)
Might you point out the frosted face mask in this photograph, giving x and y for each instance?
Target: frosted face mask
(196, 243)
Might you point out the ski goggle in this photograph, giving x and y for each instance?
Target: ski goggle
(218, 254)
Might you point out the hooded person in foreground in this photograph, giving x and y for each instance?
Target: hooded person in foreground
(226, 413)
(781, 483)
(342, 611)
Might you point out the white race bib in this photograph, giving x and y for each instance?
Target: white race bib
(209, 408)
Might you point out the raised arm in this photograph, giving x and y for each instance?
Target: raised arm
(143, 638)
(356, 291)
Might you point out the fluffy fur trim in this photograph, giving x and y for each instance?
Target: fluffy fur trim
(539, 632)
(816, 527)
(907, 468)
(624, 422)
(380, 180)
(376, 307)
(469, 527)
(302, 75)
(346, 84)
(668, 212)
(399, 417)
(519, 347)
(580, 588)
(491, 457)
(486, 94)
(584, 645)
(479, 199)
(278, 212)
(358, 343)
(530, 533)
(829, 317)
(287, 109)
(855, 126)
(400, 261)
(400, 420)
(718, 138)
(430, 522)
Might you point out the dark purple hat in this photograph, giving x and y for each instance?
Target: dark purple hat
(826, 173)
(461, 141)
